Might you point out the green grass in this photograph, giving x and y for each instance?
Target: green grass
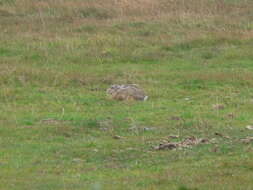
(60, 70)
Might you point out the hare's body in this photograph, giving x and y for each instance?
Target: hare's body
(126, 92)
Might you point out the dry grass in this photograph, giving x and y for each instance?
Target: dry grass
(58, 57)
(43, 14)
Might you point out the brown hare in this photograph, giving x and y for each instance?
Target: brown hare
(126, 92)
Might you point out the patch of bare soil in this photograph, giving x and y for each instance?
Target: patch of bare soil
(247, 140)
(51, 121)
(194, 141)
(186, 143)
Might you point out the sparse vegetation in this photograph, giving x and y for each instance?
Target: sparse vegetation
(57, 127)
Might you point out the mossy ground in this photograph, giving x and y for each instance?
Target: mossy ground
(56, 61)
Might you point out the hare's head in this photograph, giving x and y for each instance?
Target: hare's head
(113, 89)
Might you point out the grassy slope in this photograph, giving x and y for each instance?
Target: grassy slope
(56, 61)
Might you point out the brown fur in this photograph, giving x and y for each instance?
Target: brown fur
(126, 92)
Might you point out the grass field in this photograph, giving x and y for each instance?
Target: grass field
(57, 126)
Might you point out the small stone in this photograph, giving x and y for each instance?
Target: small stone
(147, 129)
(250, 127)
(213, 141)
(77, 160)
(117, 137)
(104, 129)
